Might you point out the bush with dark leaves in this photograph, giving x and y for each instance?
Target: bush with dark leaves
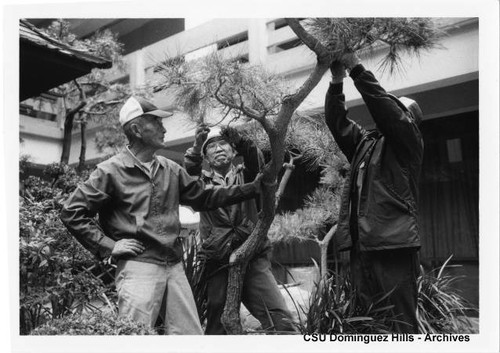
(93, 323)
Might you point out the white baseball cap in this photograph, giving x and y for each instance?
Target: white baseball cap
(134, 107)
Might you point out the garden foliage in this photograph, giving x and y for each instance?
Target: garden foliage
(54, 274)
(93, 324)
(441, 308)
(334, 308)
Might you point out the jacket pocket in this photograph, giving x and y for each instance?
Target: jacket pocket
(407, 204)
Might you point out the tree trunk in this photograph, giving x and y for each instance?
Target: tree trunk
(68, 129)
(66, 147)
(323, 245)
(83, 146)
(240, 257)
(289, 167)
(276, 131)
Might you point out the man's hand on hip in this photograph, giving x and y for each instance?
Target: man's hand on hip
(127, 247)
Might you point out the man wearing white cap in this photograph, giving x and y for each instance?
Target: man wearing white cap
(136, 195)
(378, 218)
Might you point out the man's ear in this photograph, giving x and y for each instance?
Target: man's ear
(136, 130)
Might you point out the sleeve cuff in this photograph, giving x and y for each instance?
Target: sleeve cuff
(252, 189)
(356, 71)
(336, 88)
(106, 246)
(192, 152)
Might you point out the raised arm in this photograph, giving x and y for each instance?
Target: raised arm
(392, 119)
(248, 150)
(193, 158)
(195, 193)
(347, 133)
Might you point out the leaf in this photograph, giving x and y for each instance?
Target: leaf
(358, 318)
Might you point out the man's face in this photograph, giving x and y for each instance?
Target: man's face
(152, 131)
(219, 153)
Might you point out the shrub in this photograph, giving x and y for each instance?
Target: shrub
(333, 308)
(441, 309)
(53, 266)
(93, 323)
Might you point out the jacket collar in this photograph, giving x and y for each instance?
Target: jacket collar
(130, 161)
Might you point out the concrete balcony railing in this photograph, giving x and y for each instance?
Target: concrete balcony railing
(266, 41)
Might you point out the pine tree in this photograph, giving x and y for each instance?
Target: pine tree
(213, 89)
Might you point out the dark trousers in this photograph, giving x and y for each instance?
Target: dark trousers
(260, 294)
(375, 273)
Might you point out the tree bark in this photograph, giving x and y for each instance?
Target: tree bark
(323, 245)
(68, 129)
(240, 257)
(83, 146)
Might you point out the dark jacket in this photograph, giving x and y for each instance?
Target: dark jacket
(226, 228)
(387, 162)
(131, 204)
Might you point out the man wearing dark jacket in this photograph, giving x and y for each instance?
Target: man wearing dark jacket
(378, 220)
(136, 195)
(226, 228)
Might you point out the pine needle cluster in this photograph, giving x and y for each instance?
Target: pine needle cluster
(310, 137)
(229, 88)
(345, 35)
(311, 222)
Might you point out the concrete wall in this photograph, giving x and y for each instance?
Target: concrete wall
(42, 141)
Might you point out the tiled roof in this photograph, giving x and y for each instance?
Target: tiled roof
(32, 34)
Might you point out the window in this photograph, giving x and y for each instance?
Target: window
(240, 38)
(454, 148)
(44, 107)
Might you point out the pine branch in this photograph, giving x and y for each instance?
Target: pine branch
(226, 102)
(291, 102)
(310, 41)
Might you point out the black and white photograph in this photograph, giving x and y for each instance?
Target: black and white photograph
(306, 179)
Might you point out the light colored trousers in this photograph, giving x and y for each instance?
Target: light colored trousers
(147, 290)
